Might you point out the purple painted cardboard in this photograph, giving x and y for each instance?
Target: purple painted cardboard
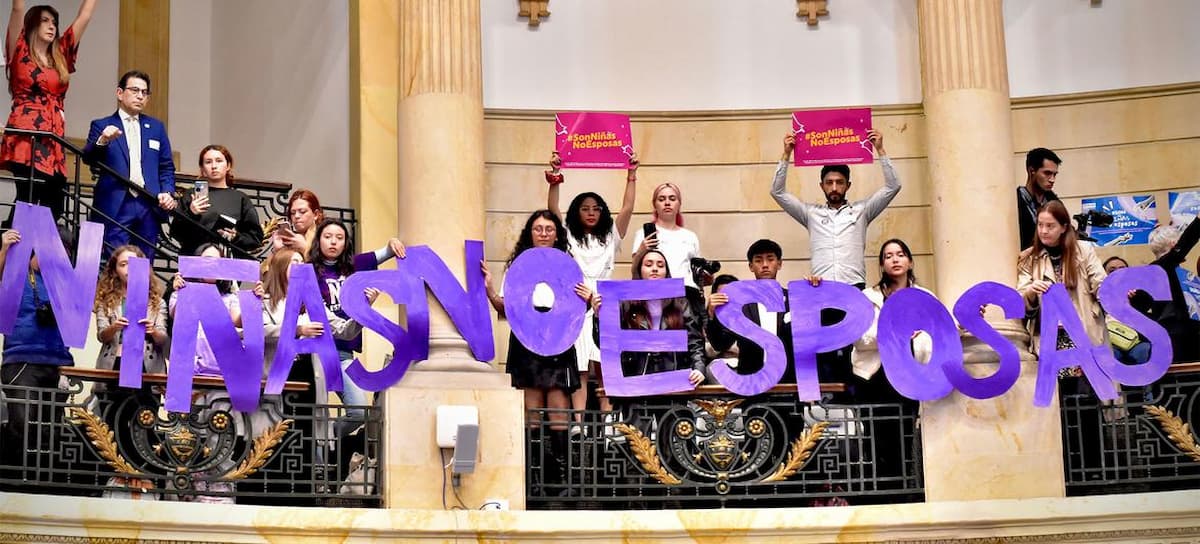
(614, 339)
(966, 310)
(72, 289)
(552, 332)
(770, 294)
(808, 336)
(468, 309)
(407, 346)
(303, 293)
(832, 137)
(1058, 309)
(907, 311)
(1114, 299)
(240, 359)
(133, 338)
(238, 356)
(593, 140)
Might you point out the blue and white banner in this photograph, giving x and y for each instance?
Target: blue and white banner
(1191, 290)
(1134, 216)
(1184, 206)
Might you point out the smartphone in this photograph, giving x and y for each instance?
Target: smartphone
(285, 227)
(648, 229)
(200, 189)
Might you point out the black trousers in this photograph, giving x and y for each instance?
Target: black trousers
(32, 417)
(49, 190)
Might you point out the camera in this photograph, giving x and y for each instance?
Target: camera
(44, 315)
(700, 266)
(1091, 217)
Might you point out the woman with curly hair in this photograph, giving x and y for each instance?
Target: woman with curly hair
(593, 235)
(111, 320)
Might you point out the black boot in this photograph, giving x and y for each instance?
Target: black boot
(556, 464)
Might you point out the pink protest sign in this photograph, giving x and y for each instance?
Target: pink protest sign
(593, 140)
(832, 137)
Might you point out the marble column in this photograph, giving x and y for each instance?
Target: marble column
(420, 155)
(1003, 447)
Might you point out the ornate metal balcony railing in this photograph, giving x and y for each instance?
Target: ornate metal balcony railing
(712, 448)
(1144, 442)
(96, 439)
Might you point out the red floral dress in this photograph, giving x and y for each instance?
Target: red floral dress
(37, 104)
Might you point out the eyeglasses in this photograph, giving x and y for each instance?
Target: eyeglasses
(543, 230)
(137, 91)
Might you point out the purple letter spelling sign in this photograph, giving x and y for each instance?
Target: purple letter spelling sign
(552, 332)
(468, 309)
(72, 290)
(614, 339)
(904, 313)
(133, 338)
(239, 358)
(810, 338)
(1057, 309)
(731, 314)
(966, 310)
(1114, 299)
(407, 346)
(303, 292)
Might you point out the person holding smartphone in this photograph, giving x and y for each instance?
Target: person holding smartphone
(678, 244)
(218, 207)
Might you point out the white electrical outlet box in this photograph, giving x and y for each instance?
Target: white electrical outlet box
(449, 417)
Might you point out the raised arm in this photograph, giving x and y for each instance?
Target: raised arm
(82, 18)
(16, 19)
(628, 199)
(554, 178)
(790, 204)
(879, 201)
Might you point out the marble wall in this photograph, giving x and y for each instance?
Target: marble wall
(1132, 141)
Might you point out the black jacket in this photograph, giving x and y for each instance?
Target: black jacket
(635, 363)
(750, 354)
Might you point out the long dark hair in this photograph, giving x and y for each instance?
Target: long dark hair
(1069, 242)
(344, 263)
(223, 286)
(525, 240)
(886, 285)
(574, 220)
(58, 61)
(636, 314)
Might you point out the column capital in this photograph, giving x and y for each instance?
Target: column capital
(962, 46)
(440, 48)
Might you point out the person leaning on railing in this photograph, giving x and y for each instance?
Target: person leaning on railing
(111, 323)
(1171, 247)
(1057, 256)
(40, 63)
(223, 209)
(33, 353)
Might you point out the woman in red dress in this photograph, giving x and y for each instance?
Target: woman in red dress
(40, 62)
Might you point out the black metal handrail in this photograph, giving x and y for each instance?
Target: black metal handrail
(270, 198)
(140, 191)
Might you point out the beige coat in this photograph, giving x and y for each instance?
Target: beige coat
(1031, 268)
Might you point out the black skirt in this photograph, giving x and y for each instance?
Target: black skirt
(529, 370)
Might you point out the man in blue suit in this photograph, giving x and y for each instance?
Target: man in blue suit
(120, 140)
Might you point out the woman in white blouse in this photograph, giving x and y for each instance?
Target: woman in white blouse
(679, 245)
(593, 236)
